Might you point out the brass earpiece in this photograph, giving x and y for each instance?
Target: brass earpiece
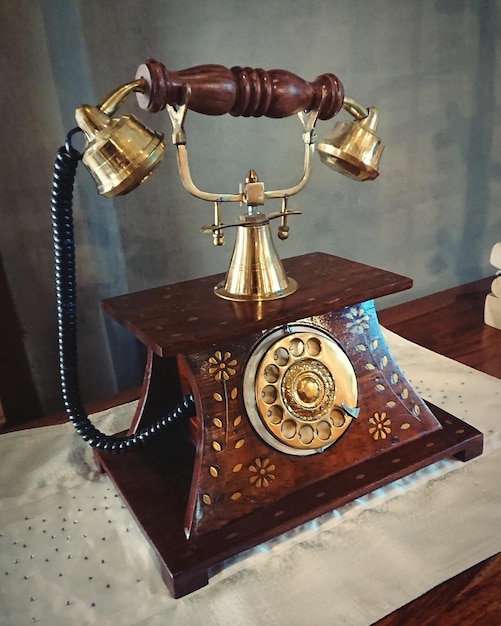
(352, 148)
(120, 152)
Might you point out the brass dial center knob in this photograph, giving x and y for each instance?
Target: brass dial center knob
(308, 389)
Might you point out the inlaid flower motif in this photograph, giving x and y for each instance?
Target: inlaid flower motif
(381, 426)
(358, 320)
(262, 472)
(222, 366)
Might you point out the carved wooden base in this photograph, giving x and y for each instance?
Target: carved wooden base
(300, 408)
(259, 435)
(156, 491)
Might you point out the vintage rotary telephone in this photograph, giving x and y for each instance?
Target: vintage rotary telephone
(277, 374)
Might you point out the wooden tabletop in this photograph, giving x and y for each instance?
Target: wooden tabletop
(451, 323)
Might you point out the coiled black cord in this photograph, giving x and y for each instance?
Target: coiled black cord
(65, 167)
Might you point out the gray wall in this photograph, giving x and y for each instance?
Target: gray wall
(431, 67)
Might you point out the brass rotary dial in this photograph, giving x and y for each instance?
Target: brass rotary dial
(300, 390)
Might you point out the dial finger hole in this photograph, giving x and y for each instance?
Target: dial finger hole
(288, 429)
(306, 434)
(338, 418)
(269, 394)
(275, 414)
(314, 346)
(271, 373)
(296, 347)
(281, 356)
(323, 430)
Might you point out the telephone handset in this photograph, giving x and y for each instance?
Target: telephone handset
(293, 401)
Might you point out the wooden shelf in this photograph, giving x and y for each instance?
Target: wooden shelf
(451, 323)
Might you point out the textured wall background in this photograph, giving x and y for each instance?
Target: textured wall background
(432, 68)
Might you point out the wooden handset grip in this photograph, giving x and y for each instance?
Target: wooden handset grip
(240, 91)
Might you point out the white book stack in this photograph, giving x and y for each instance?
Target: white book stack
(492, 311)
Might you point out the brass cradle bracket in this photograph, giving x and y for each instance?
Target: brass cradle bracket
(255, 271)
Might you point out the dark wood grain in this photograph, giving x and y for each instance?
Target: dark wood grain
(451, 323)
(187, 316)
(216, 90)
(471, 598)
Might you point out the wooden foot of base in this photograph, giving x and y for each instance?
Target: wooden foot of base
(155, 489)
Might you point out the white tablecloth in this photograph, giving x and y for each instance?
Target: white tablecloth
(71, 553)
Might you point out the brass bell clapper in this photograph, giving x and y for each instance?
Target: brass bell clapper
(121, 152)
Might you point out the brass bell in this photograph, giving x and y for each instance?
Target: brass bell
(256, 273)
(120, 153)
(352, 148)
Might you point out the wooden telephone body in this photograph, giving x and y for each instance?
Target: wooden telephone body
(300, 407)
(233, 487)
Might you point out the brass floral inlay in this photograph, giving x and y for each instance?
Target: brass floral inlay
(380, 426)
(222, 366)
(358, 321)
(263, 472)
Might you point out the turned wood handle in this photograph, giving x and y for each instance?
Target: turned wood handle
(216, 90)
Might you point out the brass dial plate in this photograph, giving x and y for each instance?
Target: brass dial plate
(298, 383)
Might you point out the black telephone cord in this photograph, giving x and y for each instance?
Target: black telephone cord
(65, 167)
